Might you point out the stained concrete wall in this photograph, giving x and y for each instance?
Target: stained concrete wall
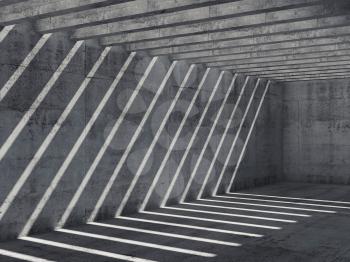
(316, 131)
(259, 166)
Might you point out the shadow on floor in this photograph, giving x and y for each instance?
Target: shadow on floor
(283, 222)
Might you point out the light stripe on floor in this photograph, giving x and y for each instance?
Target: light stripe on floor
(5, 31)
(90, 251)
(21, 256)
(138, 243)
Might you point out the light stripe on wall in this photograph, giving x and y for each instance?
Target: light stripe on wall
(127, 151)
(189, 146)
(234, 141)
(5, 31)
(247, 139)
(206, 143)
(173, 142)
(22, 67)
(75, 149)
(39, 153)
(184, 194)
(104, 147)
(24, 120)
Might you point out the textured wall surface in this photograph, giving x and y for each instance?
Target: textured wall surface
(316, 131)
(27, 175)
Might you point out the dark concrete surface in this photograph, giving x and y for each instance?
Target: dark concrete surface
(321, 237)
(316, 131)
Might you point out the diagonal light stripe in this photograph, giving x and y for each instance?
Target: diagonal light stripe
(184, 194)
(75, 149)
(104, 147)
(245, 142)
(232, 215)
(19, 71)
(234, 141)
(24, 120)
(40, 152)
(21, 256)
(280, 207)
(160, 233)
(189, 146)
(209, 229)
(247, 209)
(123, 203)
(212, 220)
(85, 250)
(291, 198)
(127, 151)
(138, 243)
(194, 171)
(5, 31)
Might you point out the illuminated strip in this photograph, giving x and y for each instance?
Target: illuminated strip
(281, 207)
(20, 69)
(139, 243)
(5, 31)
(39, 153)
(24, 120)
(207, 175)
(127, 151)
(212, 220)
(231, 215)
(245, 142)
(85, 250)
(216, 230)
(20, 256)
(75, 149)
(247, 209)
(159, 233)
(287, 202)
(104, 147)
(126, 196)
(154, 141)
(234, 141)
(194, 171)
(292, 198)
(189, 146)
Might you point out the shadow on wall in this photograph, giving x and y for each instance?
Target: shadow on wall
(91, 133)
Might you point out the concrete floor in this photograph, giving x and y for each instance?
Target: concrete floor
(321, 232)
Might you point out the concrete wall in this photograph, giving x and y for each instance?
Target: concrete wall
(259, 167)
(316, 131)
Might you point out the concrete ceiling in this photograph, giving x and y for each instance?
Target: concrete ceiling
(284, 40)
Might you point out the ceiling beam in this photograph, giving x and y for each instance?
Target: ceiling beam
(318, 77)
(290, 54)
(185, 52)
(297, 70)
(199, 20)
(137, 9)
(305, 73)
(15, 13)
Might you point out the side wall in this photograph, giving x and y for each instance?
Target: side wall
(46, 162)
(316, 131)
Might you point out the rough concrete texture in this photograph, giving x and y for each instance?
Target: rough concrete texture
(261, 167)
(316, 236)
(316, 131)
